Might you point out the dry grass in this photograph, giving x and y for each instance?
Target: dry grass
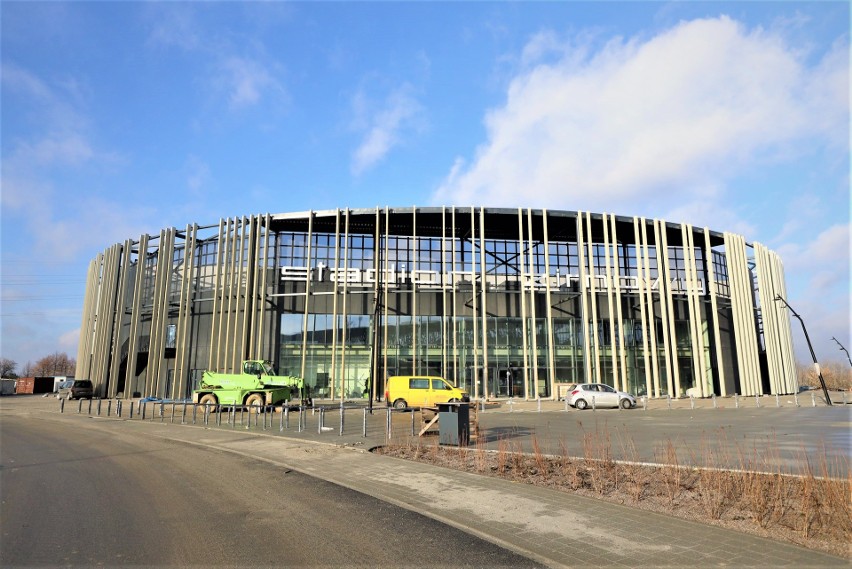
(812, 509)
(837, 375)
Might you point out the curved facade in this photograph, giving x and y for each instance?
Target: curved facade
(503, 302)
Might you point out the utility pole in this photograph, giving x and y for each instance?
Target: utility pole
(810, 347)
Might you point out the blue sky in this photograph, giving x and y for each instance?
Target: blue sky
(121, 118)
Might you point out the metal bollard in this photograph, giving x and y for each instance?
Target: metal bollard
(219, 419)
(341, 418)
(777, 401)
(796, 399)
(757, 400)
(109, 407)
(566, 403)
(813, 399)
(162, 411)
(131, 408)
(412, 423)
(144, 409)
(388, 425)
(645, 403)
(172, 418)
(206, 415)
(538, 399)
(692, 402)
(319, 423)
(90, 407)
(300, 419)
(183, 415)
(593, 403)
(714, 401)
(364, 430)
(483, 404)
(80, 407)
(99, 407)
(62, 405)
(511, 404)
(669, 401)
(194, 412)
(736, 401)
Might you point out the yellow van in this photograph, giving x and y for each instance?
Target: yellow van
(421, 391)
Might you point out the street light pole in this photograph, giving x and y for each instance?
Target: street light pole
(810, 347)
(843, 349)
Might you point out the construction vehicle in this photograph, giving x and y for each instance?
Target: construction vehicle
(256, 386)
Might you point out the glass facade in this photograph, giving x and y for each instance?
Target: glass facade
(503, 303)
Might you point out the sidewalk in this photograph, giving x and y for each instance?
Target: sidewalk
(554, 528)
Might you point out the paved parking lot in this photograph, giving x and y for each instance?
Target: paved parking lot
(769, 433)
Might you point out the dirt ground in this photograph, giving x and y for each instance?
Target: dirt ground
(810, 511)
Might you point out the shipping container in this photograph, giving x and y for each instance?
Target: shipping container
(42, 384)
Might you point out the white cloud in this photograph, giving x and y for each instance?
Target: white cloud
(247, 82)
(651, 125)
(174, 24)
(817, 274)
(69, 341)
(383, 127)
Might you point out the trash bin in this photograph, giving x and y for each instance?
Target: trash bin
(453, 423)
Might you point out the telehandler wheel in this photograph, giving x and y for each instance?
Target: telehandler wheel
(255, 402)
(209, 399)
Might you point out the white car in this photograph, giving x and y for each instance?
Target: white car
(596, 395)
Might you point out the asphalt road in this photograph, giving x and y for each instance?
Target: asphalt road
(87, 495)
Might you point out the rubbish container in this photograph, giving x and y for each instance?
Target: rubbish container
(453, 423)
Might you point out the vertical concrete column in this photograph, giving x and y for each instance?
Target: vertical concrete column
(213, 358)
(308, 273)
(584, 300)
(614, 343)
(593, 296)
(483, 278)
(526, 295)
(551, 360)
(120, 310)
(135, 316)
(533, 312)
(185, 310)
(712, 289)
(642, 280)
(335, 283)
(263, 318)
(667, 300)
(742, 305)
(445, 321)
(343, 326)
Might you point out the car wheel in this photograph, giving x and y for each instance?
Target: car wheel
(453, 400)
(626, 404)
(580, 404)
(209, 399)
(255, 402)
(400, 404)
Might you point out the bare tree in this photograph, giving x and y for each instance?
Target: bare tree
(55, 364)
(27, 370)
(7, 368)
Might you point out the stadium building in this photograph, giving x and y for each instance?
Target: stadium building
(502, 302)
